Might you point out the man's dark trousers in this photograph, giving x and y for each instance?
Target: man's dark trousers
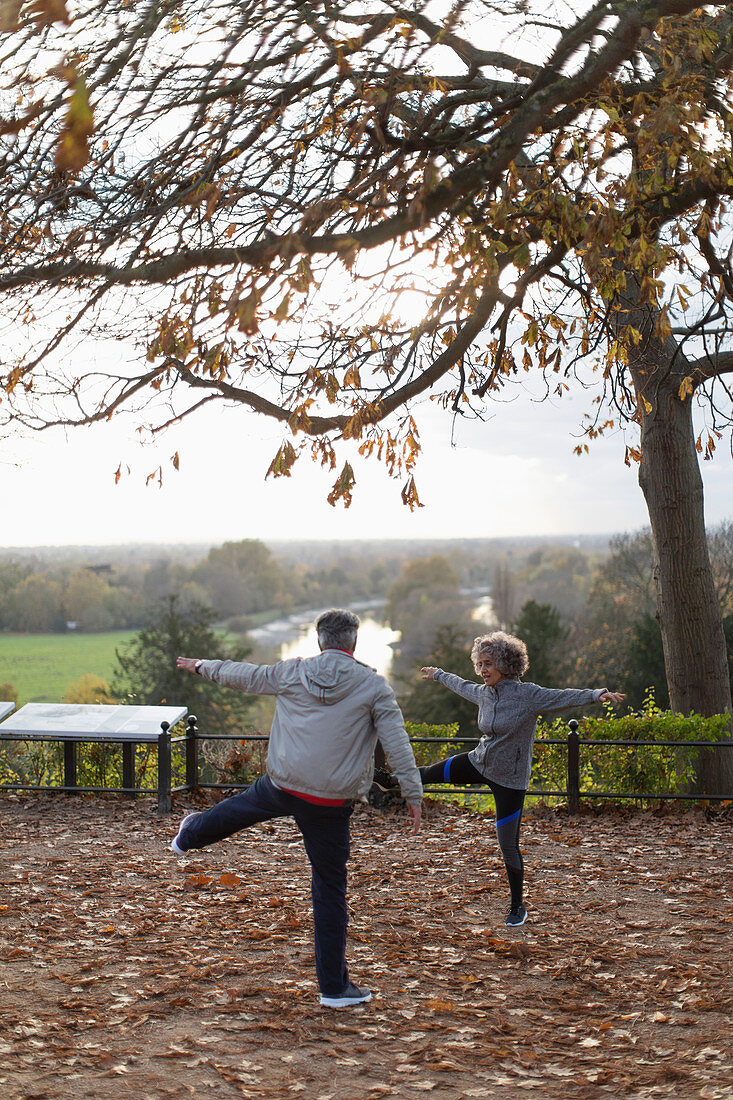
(325, 831)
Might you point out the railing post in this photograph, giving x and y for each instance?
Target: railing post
(192, 754)
(70, 763)
(164, 769)
(573, 768)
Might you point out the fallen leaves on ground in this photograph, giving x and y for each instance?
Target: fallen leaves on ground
(125, 965)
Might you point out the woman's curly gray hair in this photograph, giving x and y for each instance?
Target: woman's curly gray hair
(508, 654)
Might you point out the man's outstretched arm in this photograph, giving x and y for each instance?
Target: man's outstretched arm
(252, 679)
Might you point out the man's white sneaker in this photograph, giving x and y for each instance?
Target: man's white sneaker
(176, 845)
(352, 995)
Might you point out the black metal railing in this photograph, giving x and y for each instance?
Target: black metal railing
(572, 790)
(188, 768)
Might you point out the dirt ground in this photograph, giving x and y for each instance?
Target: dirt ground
(128, 971)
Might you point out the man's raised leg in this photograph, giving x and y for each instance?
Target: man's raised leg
(260, 802)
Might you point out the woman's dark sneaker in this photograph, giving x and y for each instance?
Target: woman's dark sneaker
(517, 915)
(352, 995)
(385, 780)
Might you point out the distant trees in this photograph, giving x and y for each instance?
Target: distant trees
(161, 579)
(503, 594)
(721, 553)
(8, 693)
(243, 578)
(587, 616)
(38, 599)
(92, 603)
(36, 604)
(557, 575)
(424, 597)
(436, 624)
(236, 580)
(622, 593)
(11, 574)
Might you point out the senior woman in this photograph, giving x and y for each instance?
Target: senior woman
(507, 718)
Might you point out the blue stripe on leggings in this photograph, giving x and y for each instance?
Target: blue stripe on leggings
(446, 769)
(506, 820)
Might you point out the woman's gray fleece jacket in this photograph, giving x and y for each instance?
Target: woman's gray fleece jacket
(507, 718)
(329, 712)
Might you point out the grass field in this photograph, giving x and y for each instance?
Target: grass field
(41, 667)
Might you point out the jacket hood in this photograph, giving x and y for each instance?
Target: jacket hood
(331, 675)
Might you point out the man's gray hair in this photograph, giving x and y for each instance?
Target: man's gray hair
(337, 629)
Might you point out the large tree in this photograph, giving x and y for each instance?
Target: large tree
(321, 212)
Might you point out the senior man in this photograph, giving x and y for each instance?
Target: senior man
(329, 712)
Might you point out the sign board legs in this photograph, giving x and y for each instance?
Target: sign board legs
(70, 763)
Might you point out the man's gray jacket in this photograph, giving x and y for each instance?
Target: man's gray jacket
(329, 712)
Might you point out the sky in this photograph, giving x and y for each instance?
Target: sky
(512, 475)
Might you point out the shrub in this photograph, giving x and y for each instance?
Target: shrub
(648, 770)
(430, 753)
(235, 762)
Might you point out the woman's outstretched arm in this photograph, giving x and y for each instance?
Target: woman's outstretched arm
(612, 697)
(467, 689)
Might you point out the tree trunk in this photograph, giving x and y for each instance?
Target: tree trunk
(687, 606)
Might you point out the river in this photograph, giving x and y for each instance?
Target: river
(295, 635)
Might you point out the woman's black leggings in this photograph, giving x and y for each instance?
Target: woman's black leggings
(509, 805)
